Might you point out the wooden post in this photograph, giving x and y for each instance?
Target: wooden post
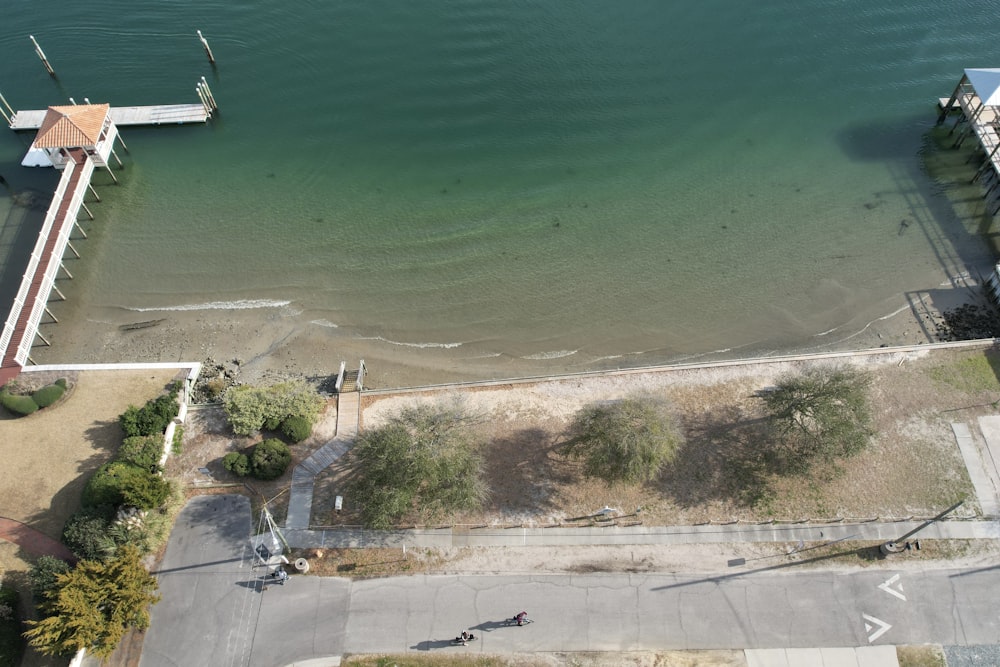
(208, 92)
(201, 96)
(49, 313)
(208, 49)
(9, 109)
(72, 101)
(106, 166)
(41, 54)
(70, 246)
(117, 159)
(951, 100)
(39, 334)
(122, 142)
(94, 192)
(89, 215)
(63, 267)
(58, 292)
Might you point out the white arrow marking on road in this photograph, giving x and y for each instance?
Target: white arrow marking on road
(887, 587)
(882, 629)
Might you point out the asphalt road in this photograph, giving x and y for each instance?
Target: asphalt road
(216, 611)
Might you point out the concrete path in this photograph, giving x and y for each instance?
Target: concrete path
(301, 493)
(712, 534)
(975, 464)
(866, 656)
(32, 541)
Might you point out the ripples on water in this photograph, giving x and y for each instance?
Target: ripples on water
(544, 180)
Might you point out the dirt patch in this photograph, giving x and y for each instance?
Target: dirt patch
(49, 455)
(207, 438)
(912, 468)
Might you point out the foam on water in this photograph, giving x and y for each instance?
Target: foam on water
(239, 304)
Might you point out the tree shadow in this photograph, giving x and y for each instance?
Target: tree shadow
(721, 460)
(521, 469)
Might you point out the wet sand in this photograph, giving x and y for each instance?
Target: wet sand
(271, 344)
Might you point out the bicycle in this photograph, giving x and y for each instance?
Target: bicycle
(515, 620)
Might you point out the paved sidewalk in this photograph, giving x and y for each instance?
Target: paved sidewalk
(542, 537)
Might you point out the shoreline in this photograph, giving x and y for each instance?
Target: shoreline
(270, 344)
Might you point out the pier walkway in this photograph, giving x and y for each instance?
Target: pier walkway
(162, 114)
(29, 305)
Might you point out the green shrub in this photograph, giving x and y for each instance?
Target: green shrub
(296, 428)
(19, 405)
(119, 483)
(250, 409)
(11, 642)
(86, 533)
(61, 382)
(48, 395)
(42, 575)
(270, 459)
(152, 418)
(236, 463)
(143, 451)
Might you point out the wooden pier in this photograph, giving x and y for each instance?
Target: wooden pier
(977, 98)
(161, 114)
(38, 282)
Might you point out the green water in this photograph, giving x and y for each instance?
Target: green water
(576, 184)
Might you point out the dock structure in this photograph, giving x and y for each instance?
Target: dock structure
(38, 282)
(162, 114)
(977, 98)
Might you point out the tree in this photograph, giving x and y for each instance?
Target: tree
(94, 605)
(626, 441)
(821, 414)
(270, 459)
(422, 459)
(43, 575)
(250, 408)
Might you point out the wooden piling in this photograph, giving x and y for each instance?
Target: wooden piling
(39, 334)
(113, 177)
(208, 93)
(201, 96)
(9, 115)
(94, 192)
(41, 54)
(49, 313)
(89, 215)
(63, 267)
(70, 246)
(208, 49)
(56, 289)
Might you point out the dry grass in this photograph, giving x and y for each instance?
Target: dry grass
(632, 659)
(913, 467)
(928, 655)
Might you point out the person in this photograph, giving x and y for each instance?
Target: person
(520, 617)
(281, 576)
(465, 636)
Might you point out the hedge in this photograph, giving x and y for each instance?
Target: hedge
(119, 483)
(21, 405)
(270, 459)
(143, 451)
(48, 395)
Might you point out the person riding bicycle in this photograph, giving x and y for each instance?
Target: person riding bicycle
(520, 617)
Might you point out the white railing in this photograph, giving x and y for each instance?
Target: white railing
(36, 256)
(55, 260)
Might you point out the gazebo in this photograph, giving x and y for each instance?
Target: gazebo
(85, 126)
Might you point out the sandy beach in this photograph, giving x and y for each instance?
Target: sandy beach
(275, 343)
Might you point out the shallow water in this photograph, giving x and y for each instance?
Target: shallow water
(565, 185)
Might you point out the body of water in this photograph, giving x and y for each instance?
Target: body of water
(569, 185)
